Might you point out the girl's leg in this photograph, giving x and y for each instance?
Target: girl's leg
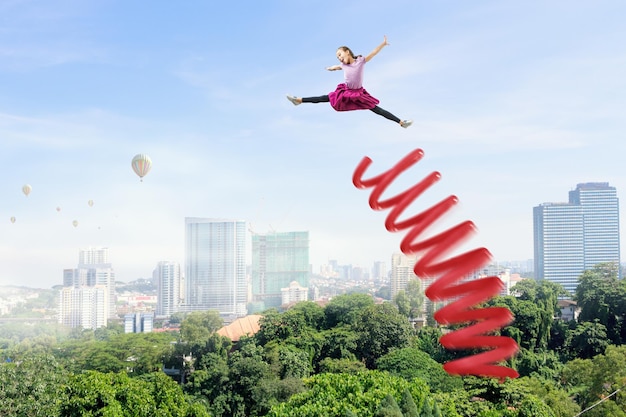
(319, 99)
(385, 114)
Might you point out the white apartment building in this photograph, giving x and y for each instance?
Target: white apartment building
(294, 293)
(167, 275)
(84, 307)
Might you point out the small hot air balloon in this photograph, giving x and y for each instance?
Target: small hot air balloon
(58, 208)
(90, 202)
(141, 165)
(12, 219)
(26, 189)
(75, 223)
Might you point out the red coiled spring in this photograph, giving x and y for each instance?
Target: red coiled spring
(466, 296)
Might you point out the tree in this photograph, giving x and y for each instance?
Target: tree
(416, 297)
(587, 340)
(410, 300)
(532, 406)
(311, 312)
(287, 360)
(384, 292)
(600, 296)
(194, 357)
(427, 410)
(559, 334)
(197, 326)
(591, 380)
(401, 300)
(428, 341)
(339, 343)
(544, 294)
(388, 407)
(381, 328)
(331, 395)
(528, 320)
(411, 363)
(275, 326)
(271, 391)
(545, 364)
(554, 396)
(407, 405)
(177, 317)
(31, 385)
(341, 366)
(346, 309)
(138, 353)
(109, 331)
(209, 380)
(94, 393)
(246, 370)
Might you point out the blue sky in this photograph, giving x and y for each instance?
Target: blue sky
(513, 102)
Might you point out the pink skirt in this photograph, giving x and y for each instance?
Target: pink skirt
(345, 99)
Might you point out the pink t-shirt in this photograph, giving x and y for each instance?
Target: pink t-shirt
(353, 73)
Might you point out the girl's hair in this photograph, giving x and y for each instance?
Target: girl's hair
(346, 49)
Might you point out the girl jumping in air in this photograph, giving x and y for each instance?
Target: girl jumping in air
(351, 95)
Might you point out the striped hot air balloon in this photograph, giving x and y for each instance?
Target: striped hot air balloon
(141, 165)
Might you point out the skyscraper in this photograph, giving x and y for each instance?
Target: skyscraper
(379, 271)
(85, 307)
(215, 269)
(572, 237)
(278, 259)
(168, 279)
(600, 207)
(401, 272)
(94, 269)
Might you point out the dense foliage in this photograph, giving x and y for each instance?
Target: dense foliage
(351, 357)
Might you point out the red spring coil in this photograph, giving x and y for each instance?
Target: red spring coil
(465, 297)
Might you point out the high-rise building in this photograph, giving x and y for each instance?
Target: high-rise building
(93, 270)
(401, 272)
(215, 265)
(379, 271)
(84, 307)
(600, 207)
(572, 237)
(278, 259)
(168, 279)
(93, 256)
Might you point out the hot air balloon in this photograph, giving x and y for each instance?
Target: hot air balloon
(12, 219)
(75, 223)
(90, 202)
(58, 208)
(26, 189)
(141, 165)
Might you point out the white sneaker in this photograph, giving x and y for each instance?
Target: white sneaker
(293, 100)
(406, 123)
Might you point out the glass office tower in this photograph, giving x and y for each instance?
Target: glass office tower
(215, 270)
(572, 237)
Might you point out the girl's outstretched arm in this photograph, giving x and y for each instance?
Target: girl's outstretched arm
(334, 68)
(377, 49)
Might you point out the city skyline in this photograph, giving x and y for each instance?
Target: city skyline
(512, 103)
